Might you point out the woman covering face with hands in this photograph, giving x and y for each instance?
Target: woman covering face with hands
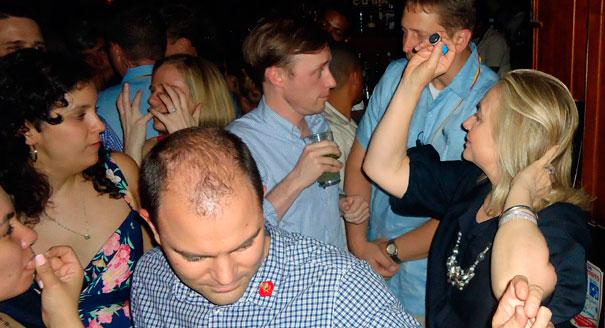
(509, 209)
(186, 91)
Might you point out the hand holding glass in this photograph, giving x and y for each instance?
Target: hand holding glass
(327, 178)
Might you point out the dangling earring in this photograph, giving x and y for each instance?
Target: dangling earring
(33, 153)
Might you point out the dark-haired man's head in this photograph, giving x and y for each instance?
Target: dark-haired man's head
(18, 29)
(421, 18)
(85, 39)
(202, 195)
(188, 30)
(348, 73)
(291, 58)
(336, 23)
(136, 36)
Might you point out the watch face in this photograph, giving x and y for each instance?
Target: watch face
(391, 249)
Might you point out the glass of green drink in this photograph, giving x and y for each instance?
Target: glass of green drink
(327, 178)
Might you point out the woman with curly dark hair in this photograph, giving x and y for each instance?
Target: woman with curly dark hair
(65, 185)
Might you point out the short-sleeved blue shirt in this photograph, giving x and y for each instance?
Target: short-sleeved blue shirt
(139, 78)
(437, 122)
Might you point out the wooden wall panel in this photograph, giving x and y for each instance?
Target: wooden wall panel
(569, 43)
(593, 165)
(560, 41)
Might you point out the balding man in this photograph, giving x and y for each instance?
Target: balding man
(220, 264)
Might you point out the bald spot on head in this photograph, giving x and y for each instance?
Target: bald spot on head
(204, 165)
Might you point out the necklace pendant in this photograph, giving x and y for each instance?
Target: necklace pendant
(86, 236)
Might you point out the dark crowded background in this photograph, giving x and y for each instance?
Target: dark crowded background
(373, 29)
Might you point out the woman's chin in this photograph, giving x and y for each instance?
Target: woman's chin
(17, 288)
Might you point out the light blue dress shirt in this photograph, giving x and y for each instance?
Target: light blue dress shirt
(139, 78)
(437, 122)
(315, 285)
(276, 145)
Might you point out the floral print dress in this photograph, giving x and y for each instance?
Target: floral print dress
(104, 301)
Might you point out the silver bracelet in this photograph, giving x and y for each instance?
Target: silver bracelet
(515, 207)
(518, 214)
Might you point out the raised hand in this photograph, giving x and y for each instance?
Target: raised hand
(354, 209)
(535, 181)
(182, 112)
(428, 62)
(60, 275)
(314, 161)
(134, 124)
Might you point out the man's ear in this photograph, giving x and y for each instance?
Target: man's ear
(275, 75)
(118, 58)
(145, 215)
(462, 38)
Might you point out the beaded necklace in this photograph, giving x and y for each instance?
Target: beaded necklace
(457, 276)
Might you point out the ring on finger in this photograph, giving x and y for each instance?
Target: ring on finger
(171, 109)
(550, 169)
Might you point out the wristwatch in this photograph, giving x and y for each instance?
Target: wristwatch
(392, 251)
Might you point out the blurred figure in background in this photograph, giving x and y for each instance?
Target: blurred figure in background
(334, 21)
(186, 91)
(18, 29)
(348, 73)
(491, 44)
(137, 39)
(84, 38)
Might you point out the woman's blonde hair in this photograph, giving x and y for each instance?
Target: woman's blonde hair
(536, 112)
(207, 86)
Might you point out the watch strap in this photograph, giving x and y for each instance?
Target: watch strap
(393, 256)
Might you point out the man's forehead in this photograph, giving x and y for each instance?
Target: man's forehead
(313, 58)
(19, 28)
(423, 18)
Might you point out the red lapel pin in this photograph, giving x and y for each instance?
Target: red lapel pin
(266, 288)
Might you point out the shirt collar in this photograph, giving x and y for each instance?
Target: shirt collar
(335, 111)
(138, 72)
(461, 85)
(284, 128)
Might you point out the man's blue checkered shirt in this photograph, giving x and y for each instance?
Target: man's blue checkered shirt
(316, 285)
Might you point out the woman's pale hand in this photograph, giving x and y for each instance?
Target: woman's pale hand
(60, 275)
(536, 179)
(134, 124)
(354, 209)
(182, 112)
(428, 62)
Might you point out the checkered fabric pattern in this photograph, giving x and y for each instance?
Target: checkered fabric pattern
(110, 139)
(316, 285)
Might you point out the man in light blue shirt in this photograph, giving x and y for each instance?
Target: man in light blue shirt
(137, 39)
(291, 58)
(397, 246)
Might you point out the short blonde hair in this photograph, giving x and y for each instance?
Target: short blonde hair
(536, 112)
(207, 86)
